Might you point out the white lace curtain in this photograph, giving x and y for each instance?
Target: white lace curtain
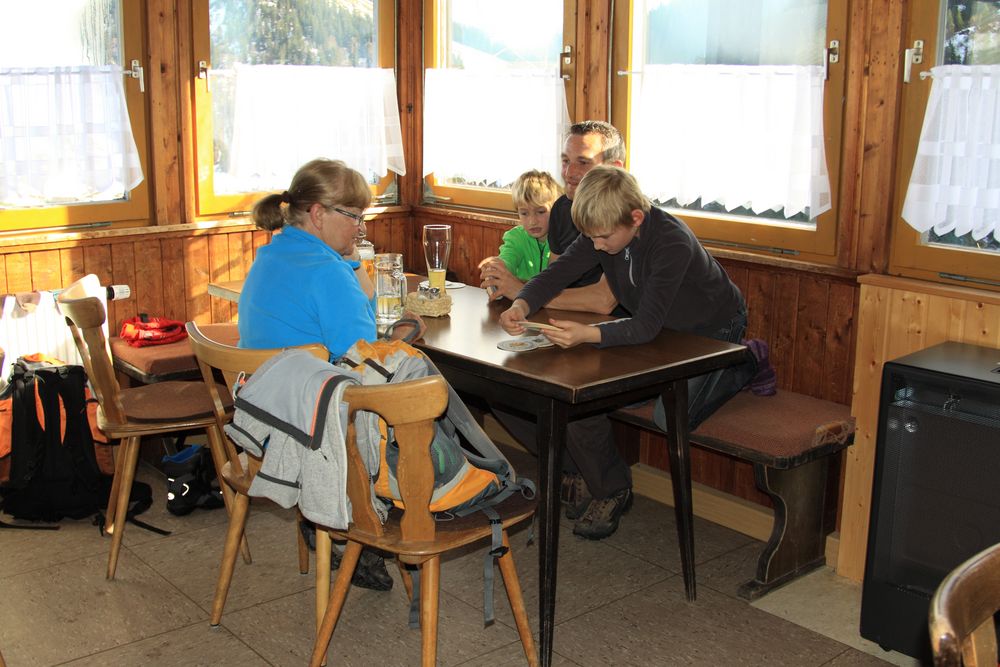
(490, 127)
(65, 136)
(286, 115)
(955, 184)
(738, 135)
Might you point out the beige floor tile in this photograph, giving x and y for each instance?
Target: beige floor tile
(590, 574)
(68, 611)
(726, 573)
(27, 550)
(191, 561)
(372, 630)
(197, 645)
(511, 655)
(656, 626)
(838, 617)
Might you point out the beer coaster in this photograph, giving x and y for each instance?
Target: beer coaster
(528, 324)
(517, 345)
(448, 284)
(539, 341)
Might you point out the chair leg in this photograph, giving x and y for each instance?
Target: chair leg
(340, 588)
(404, 574)
(109, 516)
(217, 448)
(324, 552)
(430, 577)
(234, 534)
(301, 541)
(513, 586)
(131, 456)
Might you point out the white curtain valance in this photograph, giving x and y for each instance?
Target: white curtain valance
(490, 127)
(286, 115)
(955, 184)
(739, 135)
(65, 136)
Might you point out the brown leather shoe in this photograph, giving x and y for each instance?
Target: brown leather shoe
(602, 516)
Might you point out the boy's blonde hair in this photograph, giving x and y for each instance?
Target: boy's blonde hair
(535, 188)
(605, 198)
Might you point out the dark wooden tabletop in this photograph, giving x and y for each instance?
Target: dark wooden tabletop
(470, 333)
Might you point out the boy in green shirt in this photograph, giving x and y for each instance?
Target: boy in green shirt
(525, 248)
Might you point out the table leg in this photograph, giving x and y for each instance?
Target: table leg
(551, 435)
(675, 405)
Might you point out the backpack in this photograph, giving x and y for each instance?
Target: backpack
(54, 473)
(470, 473)
(144, 330)
(53, 470)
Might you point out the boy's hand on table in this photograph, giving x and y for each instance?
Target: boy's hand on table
(572, 333)
(497, 279)
(516, 313)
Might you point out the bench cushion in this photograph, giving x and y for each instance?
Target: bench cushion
(173, 361)
(780, 431)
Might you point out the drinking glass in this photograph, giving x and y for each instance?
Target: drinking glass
(437, 247)
(390, 288)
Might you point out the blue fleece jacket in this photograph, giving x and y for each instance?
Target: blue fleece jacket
(300, 290)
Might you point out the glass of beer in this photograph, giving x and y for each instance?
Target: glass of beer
(366, 256)
(437, 247)
(390, 288)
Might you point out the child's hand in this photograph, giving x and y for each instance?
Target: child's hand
(571, 333)
(516, 313)
(497, 279)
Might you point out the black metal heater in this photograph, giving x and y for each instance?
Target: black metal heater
(936, 491)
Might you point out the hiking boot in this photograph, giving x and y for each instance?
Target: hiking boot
(602, 516)
(370, 572)
(575, 494)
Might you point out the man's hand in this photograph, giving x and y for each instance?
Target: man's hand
(403, 330)
(509, 318)
(572, 333)
(497, 279)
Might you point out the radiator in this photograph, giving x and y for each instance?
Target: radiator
(30, 330)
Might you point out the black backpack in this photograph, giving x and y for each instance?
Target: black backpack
(53, 470)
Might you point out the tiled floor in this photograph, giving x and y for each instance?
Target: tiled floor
(620, 601)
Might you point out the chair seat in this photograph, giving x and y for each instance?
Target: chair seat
(449, 534)
(173, 361)
(170, 401)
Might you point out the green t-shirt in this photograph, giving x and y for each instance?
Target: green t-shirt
(524, 255)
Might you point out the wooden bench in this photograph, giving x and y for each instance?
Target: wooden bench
(788, 437)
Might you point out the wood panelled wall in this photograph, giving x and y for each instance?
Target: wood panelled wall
(896, 317)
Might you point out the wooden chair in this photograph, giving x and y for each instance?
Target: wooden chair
(129, 414)
(238, 471)
(961, 613)
(413, 535)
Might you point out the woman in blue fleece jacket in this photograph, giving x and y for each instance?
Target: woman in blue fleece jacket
(305, 287)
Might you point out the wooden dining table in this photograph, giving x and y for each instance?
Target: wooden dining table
(556, 386)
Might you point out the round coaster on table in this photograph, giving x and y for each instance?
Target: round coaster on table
(539, 340)
(448, 284)
(517, 345)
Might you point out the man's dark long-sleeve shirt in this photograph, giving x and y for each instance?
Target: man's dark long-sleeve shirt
(664, 278)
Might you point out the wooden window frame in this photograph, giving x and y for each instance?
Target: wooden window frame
(909, 256)
(132, 211)
(207, 204)
(813, 245)
(477, 197)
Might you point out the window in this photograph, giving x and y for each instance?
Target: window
(732, 110)
(281, 83)
(947, 223)
(495, 95)
(72, 132)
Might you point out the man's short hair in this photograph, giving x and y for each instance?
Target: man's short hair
(605, 198)
(612, 144)
(535, 188)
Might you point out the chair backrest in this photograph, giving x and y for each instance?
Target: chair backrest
(85, 314)
(231, 362)
(961, 613)
(411, 409)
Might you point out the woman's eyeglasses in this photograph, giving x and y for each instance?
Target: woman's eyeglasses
(358, 218)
